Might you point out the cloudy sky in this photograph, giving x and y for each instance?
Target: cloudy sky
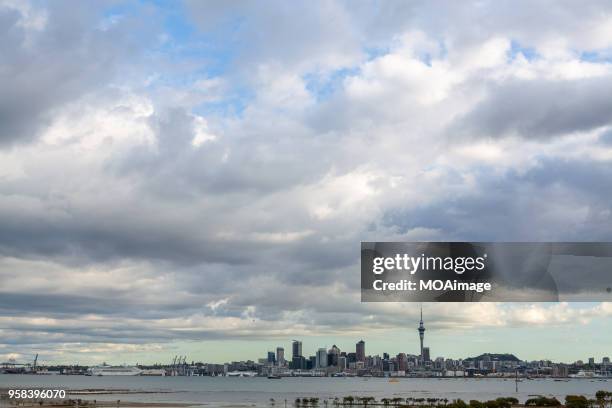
(195, 177)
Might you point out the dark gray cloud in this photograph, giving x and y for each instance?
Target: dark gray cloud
(54, 55)
(539, 204)
(539, 108)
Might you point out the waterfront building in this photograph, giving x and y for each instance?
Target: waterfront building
(311, 363)
(321, 358)
(560, 370)
(425, 355)
(402, 362)
(280, 356)
(298, 363)
(360, 351)
(332, 356)
(439, 363)
(271, 357)
(351, 357)
(342, 365)
(296, 349)
(376, 363)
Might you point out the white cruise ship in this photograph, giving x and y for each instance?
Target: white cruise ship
(114, 370)
(241, 374)
(585, 374)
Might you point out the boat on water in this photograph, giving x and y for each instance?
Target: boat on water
(585, 374)
(274, 377)
(104, 369)
(154, 372)
(241, 374)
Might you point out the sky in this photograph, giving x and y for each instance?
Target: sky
(195, 178)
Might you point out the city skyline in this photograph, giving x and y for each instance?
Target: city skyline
(360, 353)
(313, 346)
(196, 178)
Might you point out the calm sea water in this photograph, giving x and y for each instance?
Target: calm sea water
(229, 391)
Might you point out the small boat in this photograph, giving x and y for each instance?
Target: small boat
(274, 377)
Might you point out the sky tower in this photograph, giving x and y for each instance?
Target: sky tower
(421, 332)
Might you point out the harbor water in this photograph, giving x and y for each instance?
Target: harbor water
(259, 392)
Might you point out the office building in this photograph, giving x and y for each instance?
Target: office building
(360, 351)
(426, 354)
(332, 356)
(280, 356)
(321, 358)
(296, 348)
(271, 357)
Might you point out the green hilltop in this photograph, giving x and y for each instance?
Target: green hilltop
(495, 356)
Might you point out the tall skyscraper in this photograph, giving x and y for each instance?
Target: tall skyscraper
(321, 358)
(422, 333)
(311, 362)
(402, 362)
(280, 356)
(360, 350)
(296, 348)
(332, 356)
(271, 358)
(342, 365)
(426, 356)
(298, 363)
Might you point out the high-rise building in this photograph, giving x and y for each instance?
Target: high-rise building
(321, 358)
(351, 357)
(298, 363)
(402, 363)
(271, 358)
(311, 363)
(280, 356)
(426, 354)
(376, 363)
(591, 361)
(342, 363)
(296, 348)
(560, 370)
(332, 356)
(422, 334)
(360, 350)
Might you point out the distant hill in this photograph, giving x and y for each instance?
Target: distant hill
(493, 356)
